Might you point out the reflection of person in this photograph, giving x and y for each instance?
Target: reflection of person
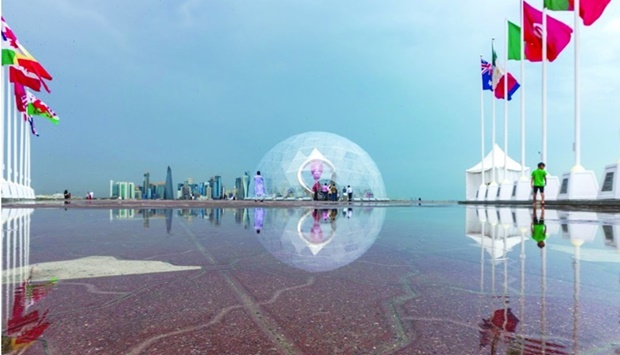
(538, 182)
(259, 187)
(539, 229)
(259, 215)
(349, 212)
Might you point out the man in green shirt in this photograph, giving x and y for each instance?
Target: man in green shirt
(538, 182)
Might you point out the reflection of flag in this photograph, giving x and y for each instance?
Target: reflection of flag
(558, 35)
(499, 79)
(589, 10)
(486, 70)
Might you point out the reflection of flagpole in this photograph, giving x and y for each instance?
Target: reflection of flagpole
(505, 281)
(543, 320)
(493, 259)
(522, 298)
(7, 237)
(576, 286)
(482, 259)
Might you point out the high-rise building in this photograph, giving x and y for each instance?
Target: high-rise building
(146, 186)
(168, 190)
(216, 190)
(122, 190)
(239, 187)
(246, 185)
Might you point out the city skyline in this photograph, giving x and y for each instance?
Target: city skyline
(209, 88)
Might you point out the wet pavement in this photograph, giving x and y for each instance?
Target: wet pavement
(357, 279)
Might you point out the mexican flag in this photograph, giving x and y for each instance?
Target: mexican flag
(589, 10)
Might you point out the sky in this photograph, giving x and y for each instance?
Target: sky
(208, 87)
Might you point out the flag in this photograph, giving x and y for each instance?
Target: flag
(558, 35)
(36, 107)
(589, 10)
(499, 77)
(487, 74)
(13, 53)
(514, 41)
(31, 121)
(21, 99)
(19, 75)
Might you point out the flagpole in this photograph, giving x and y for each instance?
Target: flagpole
(522, 55)
(577, 166)
(2, 89)
(481, 130)
(543, 156)
(493, 171)
(9, 142)
(22, 149)
(14, 142)
(505, 102)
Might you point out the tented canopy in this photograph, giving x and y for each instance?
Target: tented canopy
(473, 175)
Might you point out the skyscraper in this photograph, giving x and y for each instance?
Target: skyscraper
(146, 186)
(168, 190)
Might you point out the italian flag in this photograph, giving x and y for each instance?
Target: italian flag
(589, 10)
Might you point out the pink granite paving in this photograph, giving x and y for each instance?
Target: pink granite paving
(403, 296)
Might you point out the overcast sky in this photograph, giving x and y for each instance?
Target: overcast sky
(208, 87)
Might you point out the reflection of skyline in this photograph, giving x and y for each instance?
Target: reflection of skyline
(319, 240)
(497, 232)
(213, 215)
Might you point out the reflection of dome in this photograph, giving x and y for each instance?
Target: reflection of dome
(292, 166)
(334, 239)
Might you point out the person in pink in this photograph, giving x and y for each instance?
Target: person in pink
(259, 187)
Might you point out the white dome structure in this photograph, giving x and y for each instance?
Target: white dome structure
(293, 166)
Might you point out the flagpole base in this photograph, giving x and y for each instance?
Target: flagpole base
(522, 190)
(481, 193)
(552, 189)
(505, 191)
(610, 189)
(492, 192)
(578, 185)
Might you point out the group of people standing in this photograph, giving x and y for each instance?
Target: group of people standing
(330, 192)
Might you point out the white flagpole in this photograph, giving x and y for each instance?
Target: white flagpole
(2, 89)
(13, 118)
(28, 159)
(577, 96)
(522, 54)
(493, 170)
(9, 142)
(482, 129)
(543, 156)
(505, 101)
(22, 149)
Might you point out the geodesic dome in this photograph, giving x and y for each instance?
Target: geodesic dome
(291, 168)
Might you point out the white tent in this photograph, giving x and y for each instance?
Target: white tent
(473, 175)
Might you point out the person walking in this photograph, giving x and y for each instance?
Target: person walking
(538, 182)
(259, 187)
(350, 193)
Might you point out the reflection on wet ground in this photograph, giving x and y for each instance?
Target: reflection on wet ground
(403, 280)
